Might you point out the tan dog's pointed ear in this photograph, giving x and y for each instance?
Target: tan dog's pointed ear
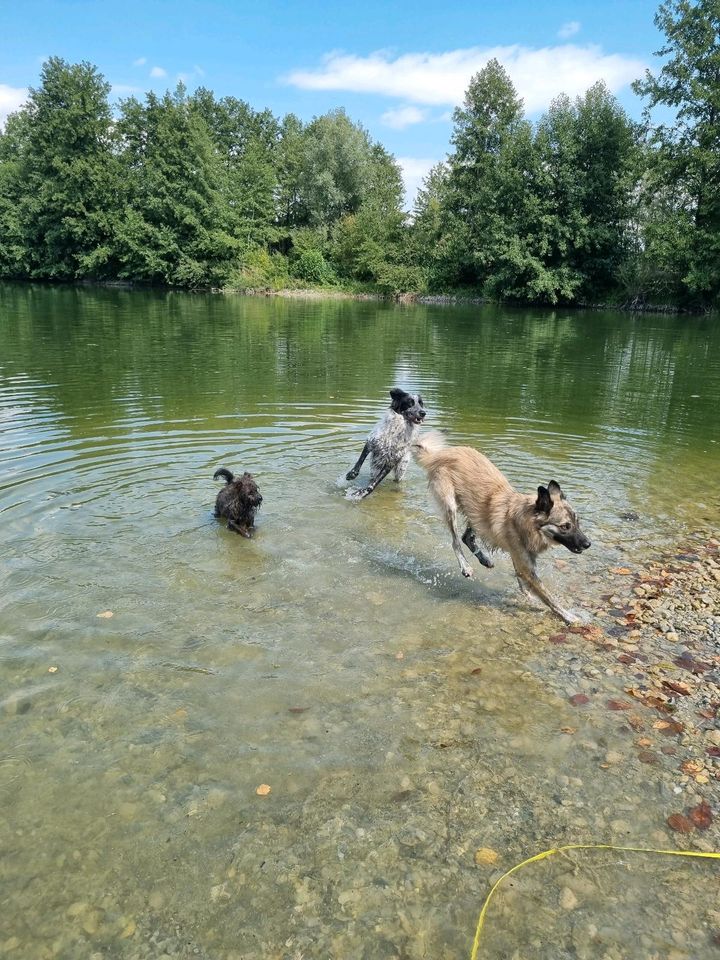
(543, 504)
(555, 491)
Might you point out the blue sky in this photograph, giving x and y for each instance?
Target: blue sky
(398, 68)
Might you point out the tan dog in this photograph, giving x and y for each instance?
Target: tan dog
(463, 480)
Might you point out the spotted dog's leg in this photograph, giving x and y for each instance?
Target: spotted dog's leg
(468, 538)
(351, 474)
(401, 467)
(376, 478)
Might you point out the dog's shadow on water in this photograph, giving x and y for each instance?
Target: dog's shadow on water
(444, 585)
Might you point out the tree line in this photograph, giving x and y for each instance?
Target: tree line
(191, 190)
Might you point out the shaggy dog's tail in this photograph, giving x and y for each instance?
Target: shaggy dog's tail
(225, 474)
(426, 446)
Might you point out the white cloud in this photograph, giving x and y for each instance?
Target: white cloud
(158, 72)
(539, 74)
(188, 78)
(402, 117)
(569, 29)
(414, 171)
(11, 99)
(140, 62)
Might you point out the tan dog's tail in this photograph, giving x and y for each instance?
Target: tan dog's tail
(427, 446)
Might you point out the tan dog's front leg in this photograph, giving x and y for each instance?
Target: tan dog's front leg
(526, 574)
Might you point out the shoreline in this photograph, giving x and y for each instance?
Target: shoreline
(451, 299)
(406, 299)
(651, 656)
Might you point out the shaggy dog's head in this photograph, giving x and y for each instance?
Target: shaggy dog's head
(246, 490)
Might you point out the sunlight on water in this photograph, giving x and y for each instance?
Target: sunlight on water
(397, 712)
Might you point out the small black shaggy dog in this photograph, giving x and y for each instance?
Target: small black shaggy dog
(238, 500)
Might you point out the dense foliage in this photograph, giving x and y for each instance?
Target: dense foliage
(190, 190)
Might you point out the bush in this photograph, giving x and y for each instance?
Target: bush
(395, 279)
(312, 267)
(260, 270)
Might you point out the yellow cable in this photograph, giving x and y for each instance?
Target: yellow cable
(574, 846)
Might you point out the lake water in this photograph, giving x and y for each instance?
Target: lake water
(399, 713)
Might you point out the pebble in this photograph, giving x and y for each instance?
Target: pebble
(156, 900)
(128, 811)
(219, 892)
(568, 900)
(91, 922)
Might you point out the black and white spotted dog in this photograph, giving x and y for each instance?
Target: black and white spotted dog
(390, 441)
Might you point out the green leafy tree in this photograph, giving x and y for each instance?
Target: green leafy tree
(607, 167)
(438, 237)
(245, 142)
(371, 244)
(336, 166)
(14, 253)
(522, 266)
(490, 115)
(681, 209)
(587, 166)
(60, 174)
(290, 161)
(564, 222)
(177, 227)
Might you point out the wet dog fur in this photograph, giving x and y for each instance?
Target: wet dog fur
(462, 480)
(238, 501)
(390, 440)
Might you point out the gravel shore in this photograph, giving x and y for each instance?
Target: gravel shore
(652, 656)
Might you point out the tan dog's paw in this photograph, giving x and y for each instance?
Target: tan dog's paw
(569, 618)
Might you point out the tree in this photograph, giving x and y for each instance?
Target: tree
(587, 164)
(63, 176)
(245, 143)
(335, 169)
(290, 161)
(429, 229)
(177, 228)
(370, 245)
(14, 259)
(607, 162)
(684, 153)
(484, 125)
(565, 222)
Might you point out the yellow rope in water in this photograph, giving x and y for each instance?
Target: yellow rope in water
(574, 846)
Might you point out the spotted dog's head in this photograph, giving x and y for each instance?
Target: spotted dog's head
(408, 405)
(557, 521)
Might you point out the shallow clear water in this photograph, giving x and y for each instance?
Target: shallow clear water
(399, 713)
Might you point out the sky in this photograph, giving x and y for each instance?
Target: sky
(398, 68)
